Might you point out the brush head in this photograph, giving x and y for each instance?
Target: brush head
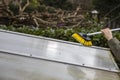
(82, 38)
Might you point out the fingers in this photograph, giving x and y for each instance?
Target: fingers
(105, 30)
(107, 33)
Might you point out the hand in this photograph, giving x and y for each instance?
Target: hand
(107, 33)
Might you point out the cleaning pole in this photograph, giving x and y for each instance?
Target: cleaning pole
(84, 38)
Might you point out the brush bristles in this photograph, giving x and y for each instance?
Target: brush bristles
(82, 40)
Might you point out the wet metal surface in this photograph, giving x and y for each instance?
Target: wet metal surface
(14, 67)
(56, 50)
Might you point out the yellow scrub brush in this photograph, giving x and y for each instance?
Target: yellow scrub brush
(84, 38)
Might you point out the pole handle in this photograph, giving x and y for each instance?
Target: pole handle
(95, 33)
